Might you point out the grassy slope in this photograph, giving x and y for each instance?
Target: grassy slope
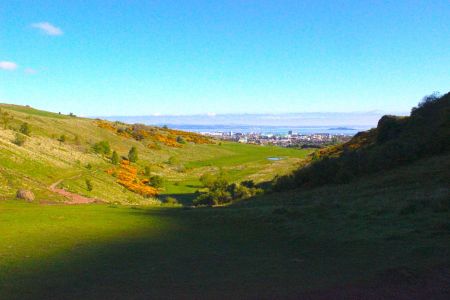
(43, 160)
(391, 225)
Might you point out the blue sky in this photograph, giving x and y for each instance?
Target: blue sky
(198, 57)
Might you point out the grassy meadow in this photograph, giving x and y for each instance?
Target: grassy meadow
(392, 225)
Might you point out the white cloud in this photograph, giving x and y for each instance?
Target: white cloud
(211, 114)
(8, 65)
(47, 28)
(30, 71)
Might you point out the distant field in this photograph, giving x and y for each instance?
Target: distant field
(393, 225)
(238, 162)
(239, 154)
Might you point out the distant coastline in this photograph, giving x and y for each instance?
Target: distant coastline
(281, 130)
(341, 128)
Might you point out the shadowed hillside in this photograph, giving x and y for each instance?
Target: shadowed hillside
(396, 141)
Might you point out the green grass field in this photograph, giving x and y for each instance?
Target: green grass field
(100, 251)
(391, 226)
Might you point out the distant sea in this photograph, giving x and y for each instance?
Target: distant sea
(350, 130)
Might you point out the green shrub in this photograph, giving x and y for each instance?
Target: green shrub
(62, 138)
(221, 192)
(173, 160)
(170, 200)
(133, 154)
(25, 129)
(102, 148)
(147, 170)
(6, 118)
(156, 181)
(19, 140)
(115, 158)
(208, 179)
(248, 183)
(180, 140)
(89, 185)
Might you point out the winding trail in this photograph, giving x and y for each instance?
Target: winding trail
(72, 197)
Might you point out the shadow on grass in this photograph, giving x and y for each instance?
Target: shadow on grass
(185, 199)
(199, 253)
(174, 253)
(195, 186)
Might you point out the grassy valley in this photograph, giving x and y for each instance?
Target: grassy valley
(44, 159)
(326, 241)
(320, 230)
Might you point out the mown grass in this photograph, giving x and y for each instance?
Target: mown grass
(277, 246)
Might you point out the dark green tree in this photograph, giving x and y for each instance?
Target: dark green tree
(89, 185)
(25, 129)
(133, 154)
(115, 158)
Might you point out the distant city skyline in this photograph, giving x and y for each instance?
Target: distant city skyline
(365, 119)
(222, 57)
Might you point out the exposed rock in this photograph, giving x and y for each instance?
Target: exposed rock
(25, 195)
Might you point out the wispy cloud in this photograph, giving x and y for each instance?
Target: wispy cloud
(47, 28)
(8, 65)
(30, 71)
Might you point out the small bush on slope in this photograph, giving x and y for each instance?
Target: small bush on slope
(133, 155)
(20, 139)
(102, 148)
(25, 129)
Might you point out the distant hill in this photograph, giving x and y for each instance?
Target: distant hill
(396, 141)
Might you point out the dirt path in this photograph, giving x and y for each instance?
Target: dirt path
(72, 197)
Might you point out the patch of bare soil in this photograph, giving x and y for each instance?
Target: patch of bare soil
(72, 197)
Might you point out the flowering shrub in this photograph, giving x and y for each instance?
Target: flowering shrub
(169, 137)
(127, 176)
(105, 125)
(190, 137)
(167, 140)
